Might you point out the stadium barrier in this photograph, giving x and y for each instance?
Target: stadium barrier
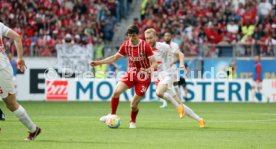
(31, 86)
(198, 90)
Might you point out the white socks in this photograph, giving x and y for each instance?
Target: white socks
(23, 117)
(171, 99)
(191, 113)
(162, 100)
(178, 92)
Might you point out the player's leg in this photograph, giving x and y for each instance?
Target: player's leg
(253, 91)
(162, 92)
(194, 116)
(185, 93)
(140, 89)
(260, 91)
(120, 88)
(186, 109)
(181, 83)
(134, 110)
(9, 98)
(177, 89)
(22, 115)
(164, 102)
(2, 115)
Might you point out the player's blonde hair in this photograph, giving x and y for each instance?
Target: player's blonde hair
(151, 31)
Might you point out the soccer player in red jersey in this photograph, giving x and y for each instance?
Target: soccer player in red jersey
(140, 63)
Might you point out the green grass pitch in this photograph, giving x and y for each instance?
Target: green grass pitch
(75, 125)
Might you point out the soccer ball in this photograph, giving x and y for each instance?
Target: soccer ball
(113, 121)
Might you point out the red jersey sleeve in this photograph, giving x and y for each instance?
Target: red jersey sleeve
(148, 50)
(122, 50)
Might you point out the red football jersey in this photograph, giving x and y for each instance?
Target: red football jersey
(137, 54)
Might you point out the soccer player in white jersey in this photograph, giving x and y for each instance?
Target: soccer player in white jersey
(164, 83)
(7, 89)
(174, 59)
(165, 89)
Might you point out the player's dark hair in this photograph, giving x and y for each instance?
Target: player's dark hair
(132, 29)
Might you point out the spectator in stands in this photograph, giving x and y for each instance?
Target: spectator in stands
(271, 44)
(77, 39)
(100, 71)
(232, 27)
(108, 26)
(68, 39)
(231, 71)
(99, 49)
(264, 9)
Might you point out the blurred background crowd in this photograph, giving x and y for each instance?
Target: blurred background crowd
(45, 23)
(251, 24)
(208, 28)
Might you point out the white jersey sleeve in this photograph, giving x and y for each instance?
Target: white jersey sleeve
(4, 30)
(162, 53)
(174, 47)
(4, 62)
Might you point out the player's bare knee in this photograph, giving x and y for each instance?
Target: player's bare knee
(159, 94)
(133, 107)
(11, 103)
(116, 94)
(12, 106)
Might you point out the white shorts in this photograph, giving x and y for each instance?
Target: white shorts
(165, 79)
(175, 74)
(6, 82)
(255, 84)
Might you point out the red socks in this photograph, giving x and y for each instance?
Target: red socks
(133, 115)
(114, 104)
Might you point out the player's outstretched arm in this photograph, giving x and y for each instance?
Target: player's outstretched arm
(18, 45)
(107, 60)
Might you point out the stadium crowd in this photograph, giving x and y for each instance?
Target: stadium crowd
(201, 27)
(250, 25)
(45, 23)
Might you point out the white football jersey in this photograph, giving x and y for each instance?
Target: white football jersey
(161, 53)
(174, 48)
(4, 61)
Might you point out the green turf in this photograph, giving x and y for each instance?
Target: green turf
(75, 125)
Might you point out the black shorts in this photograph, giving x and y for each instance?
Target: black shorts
(182, 82)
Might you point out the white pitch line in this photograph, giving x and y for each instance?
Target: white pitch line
(241, 121)
(255, 113)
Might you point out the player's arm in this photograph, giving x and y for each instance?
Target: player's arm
(19, 48)
(153, 64)
(107, 60)
(181, 59)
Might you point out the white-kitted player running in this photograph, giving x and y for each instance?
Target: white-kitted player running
(7, 88)
(165, 80)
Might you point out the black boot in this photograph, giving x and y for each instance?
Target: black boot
(2, 115)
